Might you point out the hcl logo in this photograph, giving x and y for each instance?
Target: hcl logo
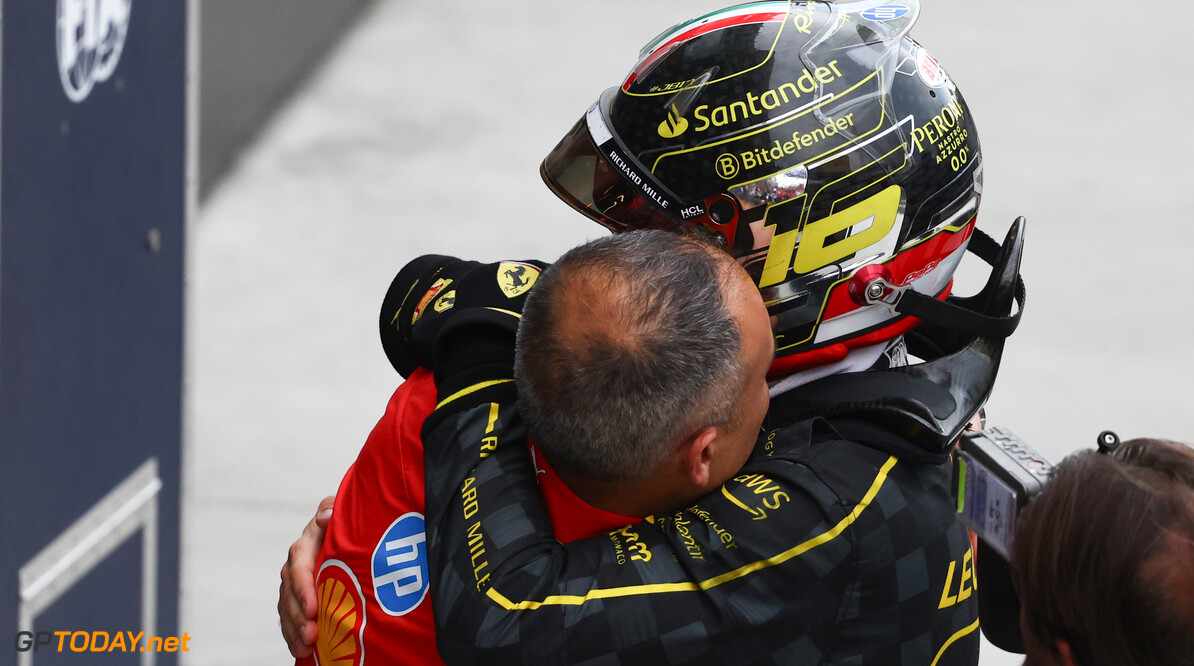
(400, 565)
(91, 35)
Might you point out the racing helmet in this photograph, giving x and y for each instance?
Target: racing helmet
(815, 141)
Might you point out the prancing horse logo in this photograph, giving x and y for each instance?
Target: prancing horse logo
(516, 278)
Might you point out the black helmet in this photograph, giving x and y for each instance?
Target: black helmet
(814, 140)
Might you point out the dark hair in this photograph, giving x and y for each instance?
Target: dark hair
(1104, 557)
(625, 347)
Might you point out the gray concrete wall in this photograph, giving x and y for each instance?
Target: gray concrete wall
(252, 55)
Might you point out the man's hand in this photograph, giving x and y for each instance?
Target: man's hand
(296, 594)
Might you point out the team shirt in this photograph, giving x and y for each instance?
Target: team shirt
(827, 547)
(372, 579)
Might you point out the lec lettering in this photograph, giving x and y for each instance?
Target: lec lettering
(952, 595)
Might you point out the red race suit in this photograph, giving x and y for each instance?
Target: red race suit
(374, 556)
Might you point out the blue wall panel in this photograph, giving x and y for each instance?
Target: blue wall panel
(92, 210)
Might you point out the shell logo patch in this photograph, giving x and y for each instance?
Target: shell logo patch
(432, 291)
(341, 616)
(516, 278)
(399, 566)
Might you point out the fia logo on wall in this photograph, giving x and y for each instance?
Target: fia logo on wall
(91, 35)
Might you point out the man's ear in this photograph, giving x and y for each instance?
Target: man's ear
(696, 456)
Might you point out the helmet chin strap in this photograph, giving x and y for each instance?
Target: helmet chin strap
(970, 316)
(930, 403)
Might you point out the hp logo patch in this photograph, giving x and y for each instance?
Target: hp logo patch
(885, 13)
(400, 565)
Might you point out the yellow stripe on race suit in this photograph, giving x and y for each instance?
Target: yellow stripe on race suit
(477, 387)
(662, 588)
(472, 389)
(952, 639)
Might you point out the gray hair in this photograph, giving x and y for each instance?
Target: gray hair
(626, 347)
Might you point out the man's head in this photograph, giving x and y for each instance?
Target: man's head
(811, 139)
(1103, 559)
(644, 356)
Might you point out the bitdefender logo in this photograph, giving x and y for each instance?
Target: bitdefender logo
(91, 35)
(674, 125)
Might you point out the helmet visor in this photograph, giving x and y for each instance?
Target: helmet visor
(604, 182)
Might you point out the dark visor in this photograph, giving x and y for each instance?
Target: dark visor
(605, 182)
